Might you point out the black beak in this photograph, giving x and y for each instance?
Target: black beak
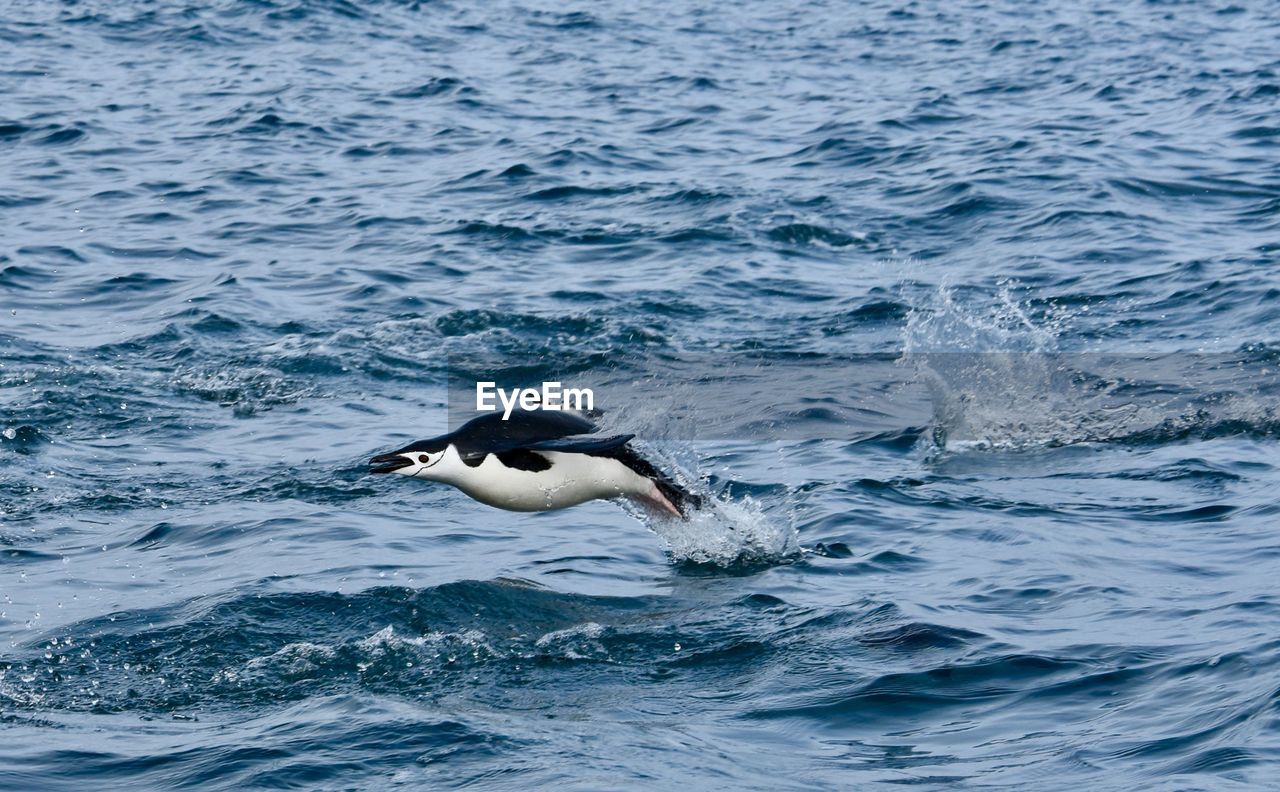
(388, 463)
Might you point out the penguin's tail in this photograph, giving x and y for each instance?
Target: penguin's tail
(682, 499)
(671, 496)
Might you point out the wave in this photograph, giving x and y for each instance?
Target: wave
(286, 647)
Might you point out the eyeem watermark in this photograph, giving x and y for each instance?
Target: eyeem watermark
(551, 396)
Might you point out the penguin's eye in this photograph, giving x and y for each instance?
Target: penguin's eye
(423, 458)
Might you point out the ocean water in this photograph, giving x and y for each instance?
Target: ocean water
(963, 316)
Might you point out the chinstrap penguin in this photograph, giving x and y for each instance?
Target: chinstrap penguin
(538, 460)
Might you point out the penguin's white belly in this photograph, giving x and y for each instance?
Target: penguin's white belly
(571, 479)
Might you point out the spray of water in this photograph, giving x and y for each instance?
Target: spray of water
(999, 381)
(724, 532)
(727, 531)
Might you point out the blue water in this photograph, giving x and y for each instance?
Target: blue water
(828, 257)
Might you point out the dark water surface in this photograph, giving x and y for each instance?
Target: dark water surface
(242, 243)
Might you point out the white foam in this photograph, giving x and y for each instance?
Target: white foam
(580, 642)
(725, 532)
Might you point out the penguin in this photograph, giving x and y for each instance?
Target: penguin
(538, 460)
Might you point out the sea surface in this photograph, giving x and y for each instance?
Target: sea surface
(961, 315)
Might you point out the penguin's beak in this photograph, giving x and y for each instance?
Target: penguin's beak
(388, 463)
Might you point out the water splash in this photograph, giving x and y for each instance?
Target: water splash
(984, 365)
(724, 532)
(998, 381)
(950, 323)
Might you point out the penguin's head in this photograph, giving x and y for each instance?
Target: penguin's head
(416, 459)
